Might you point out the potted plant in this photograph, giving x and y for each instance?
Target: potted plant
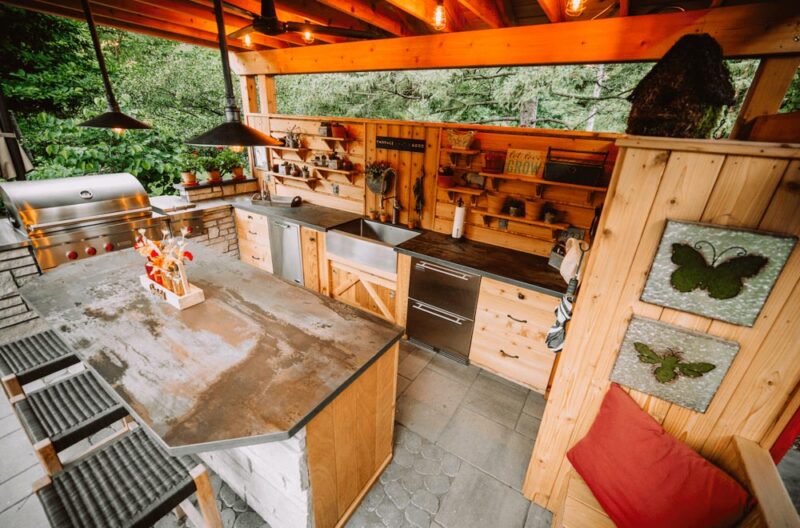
(232, 163)
(189, 166)
(515, 207)
(384, 216)
(210, 164)
(550, 214)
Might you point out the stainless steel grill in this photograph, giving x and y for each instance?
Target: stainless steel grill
(74, 218)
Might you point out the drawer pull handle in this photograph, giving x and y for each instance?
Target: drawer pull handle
(523, 321)
(249, 217)
(254, 257)
(521, 296)
(506, 354)
(251, 232)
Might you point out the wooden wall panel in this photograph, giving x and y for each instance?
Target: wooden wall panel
(655, 179)
(349, 442)
(576, 207)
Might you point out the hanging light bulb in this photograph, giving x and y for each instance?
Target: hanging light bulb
(118, 131)
(236, 148)
(248, 40)
(575, 8)
(439, 16)
(308, 36)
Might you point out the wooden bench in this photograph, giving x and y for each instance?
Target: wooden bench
(758, 474)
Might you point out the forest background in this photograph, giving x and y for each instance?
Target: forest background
(50, 78)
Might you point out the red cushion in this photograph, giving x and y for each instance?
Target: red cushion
(643, 477)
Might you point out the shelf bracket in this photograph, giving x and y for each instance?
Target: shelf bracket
(539, 191)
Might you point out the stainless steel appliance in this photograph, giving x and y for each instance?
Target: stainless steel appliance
(180, 214)
(75, 218)
(441, 308)
(284, 241)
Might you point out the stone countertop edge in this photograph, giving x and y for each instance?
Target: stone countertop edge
(208, 185)
(272, 437)
(483, 273)
(275, 211)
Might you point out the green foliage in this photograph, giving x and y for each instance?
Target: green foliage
(63, 149)
(229, 160)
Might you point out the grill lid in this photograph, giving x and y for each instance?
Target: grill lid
(54, 204)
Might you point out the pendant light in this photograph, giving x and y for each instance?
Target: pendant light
(113, 119)
(232, 133)
(575, 8)
(439, 16)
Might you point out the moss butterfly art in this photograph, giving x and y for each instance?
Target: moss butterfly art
(670, 364)
(722, 280)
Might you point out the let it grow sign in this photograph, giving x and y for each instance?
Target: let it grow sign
(525, 162)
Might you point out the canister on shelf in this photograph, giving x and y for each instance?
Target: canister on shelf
(459, 219)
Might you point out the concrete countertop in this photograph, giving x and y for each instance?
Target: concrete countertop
(308, 215)
(165, 203)
(503, 264)
(11, 238)
(252, 364)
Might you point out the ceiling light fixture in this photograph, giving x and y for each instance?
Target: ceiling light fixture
(231, 133)
(308, 36)
(248, 40)
(575, 8)
(439, 16)
(114, 118)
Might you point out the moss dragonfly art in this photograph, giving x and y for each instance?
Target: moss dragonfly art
(722, 280)
(671, 364)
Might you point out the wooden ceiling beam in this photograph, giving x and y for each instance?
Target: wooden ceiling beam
(624, 8)
(486, 10)
(181, 13)
(552, 10)
(749, 30)
(423, 10)
(199, 38)
(371, 14)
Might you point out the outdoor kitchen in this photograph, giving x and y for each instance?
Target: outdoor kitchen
(339, 321)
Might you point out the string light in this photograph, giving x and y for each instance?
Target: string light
(248, 40)
(308, 36)
(439, 16)
(575, 8)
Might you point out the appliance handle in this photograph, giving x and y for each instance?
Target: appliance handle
(444, 271)
(34, 227)
(284, 226)
(436, 313)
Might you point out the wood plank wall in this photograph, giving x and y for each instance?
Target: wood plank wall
(752, 185)
(439, 207)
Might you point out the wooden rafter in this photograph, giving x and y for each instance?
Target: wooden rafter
(198, 38)
(369, 13)
(423, 10)
(742, 31)
(507, 12)
(624, 8)
(552, 10)
(486, 10)
(180, 13)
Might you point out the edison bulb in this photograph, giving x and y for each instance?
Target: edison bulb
(248, 40)
(575, 7)
(439, 17)
(237, 148)
(308, 36)
(118, 131)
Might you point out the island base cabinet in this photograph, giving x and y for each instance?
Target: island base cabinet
(511, 324)
(349, 442)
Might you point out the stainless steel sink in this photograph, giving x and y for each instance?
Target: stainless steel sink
(368, 243)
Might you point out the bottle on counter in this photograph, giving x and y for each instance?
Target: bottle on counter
(459, 219)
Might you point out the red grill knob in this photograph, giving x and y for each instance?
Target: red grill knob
(189, 229)
(109, 246)
(91, 251)
(72, 255)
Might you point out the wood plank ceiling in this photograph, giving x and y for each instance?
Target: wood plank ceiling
(192, 21)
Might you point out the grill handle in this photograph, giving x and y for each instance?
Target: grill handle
(84, 219)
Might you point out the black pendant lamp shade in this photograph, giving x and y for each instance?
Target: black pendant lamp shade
(113, 118)
(232, 132)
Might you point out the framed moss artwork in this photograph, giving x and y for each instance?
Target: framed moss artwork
(672, 363)
(719, 272)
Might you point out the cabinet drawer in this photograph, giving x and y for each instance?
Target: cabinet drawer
(255, 254)
(514, 311)
(252, 227)
(515, 358)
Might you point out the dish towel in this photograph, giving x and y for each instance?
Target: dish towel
(571, 268)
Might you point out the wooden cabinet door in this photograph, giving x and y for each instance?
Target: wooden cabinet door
(511, 324)
(252, 231)
(310, 244)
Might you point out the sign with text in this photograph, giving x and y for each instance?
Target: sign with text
(525, 162)
(404, 144)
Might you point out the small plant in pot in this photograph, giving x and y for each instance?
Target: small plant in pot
(210, 165)
(189, 161)
(446, 177)
(384, 216)
(232, 163)
(514, 207)
(549, 214)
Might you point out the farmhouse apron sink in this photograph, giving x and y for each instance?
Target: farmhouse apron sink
(368, 243)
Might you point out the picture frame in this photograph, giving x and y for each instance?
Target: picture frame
(720, 272)
(260, 160)
(672, 363)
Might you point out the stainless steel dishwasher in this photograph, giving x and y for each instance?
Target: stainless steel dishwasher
(287, 258)
(441, 308)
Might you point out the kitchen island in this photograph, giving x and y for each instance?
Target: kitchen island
(286, 394)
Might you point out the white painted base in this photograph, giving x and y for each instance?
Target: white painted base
(181, 302)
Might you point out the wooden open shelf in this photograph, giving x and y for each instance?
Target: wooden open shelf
(468, 191)
(310, 182)
(541, 183)
(455, 154)
(300, 152)
(324, 170)
(521, 219)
